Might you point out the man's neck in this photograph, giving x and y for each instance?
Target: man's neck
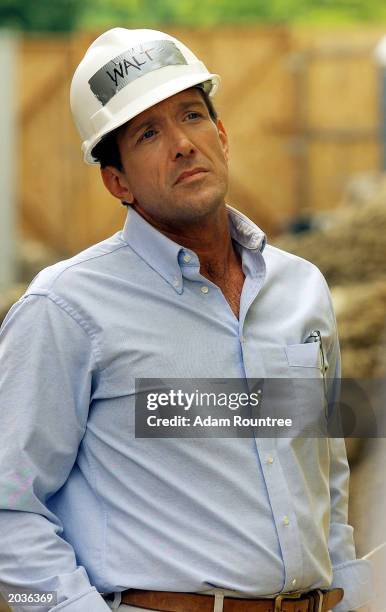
(210, 239)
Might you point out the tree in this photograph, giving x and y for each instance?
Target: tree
(41, 15)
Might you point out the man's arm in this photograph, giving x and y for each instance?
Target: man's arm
(352, 574)
(46, 364)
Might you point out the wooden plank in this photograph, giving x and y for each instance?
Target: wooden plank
(332, 165)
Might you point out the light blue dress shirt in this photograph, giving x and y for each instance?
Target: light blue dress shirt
(87, 508)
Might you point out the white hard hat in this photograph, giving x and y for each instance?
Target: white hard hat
(123, 73)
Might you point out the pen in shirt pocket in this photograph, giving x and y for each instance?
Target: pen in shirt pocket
(316, 336)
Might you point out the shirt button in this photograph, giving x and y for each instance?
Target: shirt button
(293, 582)
(285, 520)
(176, 282)
(205, 289)
(242, 339)
(270, 460)
(187, 258)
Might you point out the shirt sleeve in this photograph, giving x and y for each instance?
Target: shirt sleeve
(352, 574)
(46, 366)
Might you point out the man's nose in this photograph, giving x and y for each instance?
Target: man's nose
(181, 145)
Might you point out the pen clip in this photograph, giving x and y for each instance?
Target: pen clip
(316, 336)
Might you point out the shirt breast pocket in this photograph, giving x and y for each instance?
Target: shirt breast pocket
(304, 359)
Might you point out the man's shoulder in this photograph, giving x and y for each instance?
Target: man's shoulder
(285, 261)
(63, 273)
(294, 274)
(297, 281)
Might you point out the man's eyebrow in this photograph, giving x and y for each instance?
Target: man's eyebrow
(153, 118)
(133, 129)
(190, 103)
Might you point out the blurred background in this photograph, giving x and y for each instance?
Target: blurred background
(303, 97)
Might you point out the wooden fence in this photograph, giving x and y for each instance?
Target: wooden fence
(301, 109)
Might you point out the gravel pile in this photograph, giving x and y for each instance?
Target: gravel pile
(350, 248)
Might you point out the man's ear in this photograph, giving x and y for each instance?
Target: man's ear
(116, 183)
(223, 138)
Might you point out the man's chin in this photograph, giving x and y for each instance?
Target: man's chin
(192, 211)
(199, 205)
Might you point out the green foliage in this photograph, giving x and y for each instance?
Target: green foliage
(65, 15)
(40, 15)
(212, 12)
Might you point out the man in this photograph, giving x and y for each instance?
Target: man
(187, 290)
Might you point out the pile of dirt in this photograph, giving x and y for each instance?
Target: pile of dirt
(350, 248)
(361, 316)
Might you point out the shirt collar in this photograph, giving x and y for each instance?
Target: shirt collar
(166, 256)
(244, 231)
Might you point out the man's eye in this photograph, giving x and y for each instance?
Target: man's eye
(148, 134)
(193, 115)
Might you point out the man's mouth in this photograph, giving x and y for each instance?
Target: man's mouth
(184, 176)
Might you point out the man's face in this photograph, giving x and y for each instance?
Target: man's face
(174, 160)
